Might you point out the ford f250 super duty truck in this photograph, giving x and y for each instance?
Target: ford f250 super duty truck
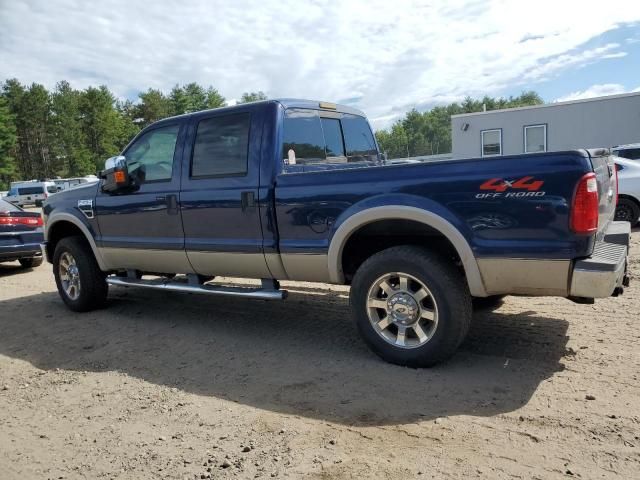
(297, 190)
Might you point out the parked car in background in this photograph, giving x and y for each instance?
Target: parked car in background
(628, 208)
(30, 193)
(630, 152)
(67, 183)
(21, 235)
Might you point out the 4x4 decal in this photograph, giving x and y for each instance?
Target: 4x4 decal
(521, 187)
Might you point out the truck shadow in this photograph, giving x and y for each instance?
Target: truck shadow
(301, 357)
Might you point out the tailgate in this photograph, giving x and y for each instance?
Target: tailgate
(604, 168)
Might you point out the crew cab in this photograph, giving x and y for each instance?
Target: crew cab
(298, 190)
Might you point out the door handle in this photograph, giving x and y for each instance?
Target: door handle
(247, 200)
(171, 201)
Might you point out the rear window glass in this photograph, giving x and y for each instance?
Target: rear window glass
(333, 138)
(318, 138)
(7, 207)
(221, 146)
(303, 138)
(358, 139)
(30, 190)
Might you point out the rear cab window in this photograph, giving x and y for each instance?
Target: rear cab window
(318, 140)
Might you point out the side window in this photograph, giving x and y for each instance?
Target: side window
(358, 139)
(303, 138)
(150, 158)
(221, 146)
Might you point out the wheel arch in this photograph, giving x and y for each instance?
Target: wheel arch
(63, 224)
(438, 224)
(630, 197)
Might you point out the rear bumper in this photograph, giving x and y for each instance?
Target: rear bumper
(14, 252)
(604, 272)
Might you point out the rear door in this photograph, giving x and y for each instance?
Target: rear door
(142, 229)
(219, 194)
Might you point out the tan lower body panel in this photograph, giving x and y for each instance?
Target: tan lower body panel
(248, 265)
(525, 276)
(306, 268)
(160, 261)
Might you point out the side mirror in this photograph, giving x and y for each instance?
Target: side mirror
(112, 162)
(115, 176)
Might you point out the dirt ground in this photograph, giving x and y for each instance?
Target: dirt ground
(184, 386)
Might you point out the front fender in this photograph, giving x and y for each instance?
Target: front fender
(55, 217)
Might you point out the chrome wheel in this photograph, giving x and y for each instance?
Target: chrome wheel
(402, 310)
(69, 275)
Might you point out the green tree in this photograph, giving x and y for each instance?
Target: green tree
(252, 97)
(193, 97)
(154, 105)
(8, 142)
(31, 107)
(105, 128)
(73, 157)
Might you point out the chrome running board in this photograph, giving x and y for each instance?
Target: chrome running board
(178, 286)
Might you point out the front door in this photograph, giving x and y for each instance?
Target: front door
(142, 229)
(219, 194)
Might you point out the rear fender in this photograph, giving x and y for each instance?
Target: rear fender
(403, 208)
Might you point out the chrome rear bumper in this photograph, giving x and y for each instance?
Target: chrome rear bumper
(603, 273)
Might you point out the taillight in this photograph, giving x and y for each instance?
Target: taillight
(617, 167)
(584, 210)
(14, 221)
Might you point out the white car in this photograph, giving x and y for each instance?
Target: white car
(628, 208)
(30, 193)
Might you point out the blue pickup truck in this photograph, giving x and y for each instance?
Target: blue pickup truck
(298, 190)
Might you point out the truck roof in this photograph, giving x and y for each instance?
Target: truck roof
(285, 102)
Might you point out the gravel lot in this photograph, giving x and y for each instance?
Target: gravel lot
(184, 386)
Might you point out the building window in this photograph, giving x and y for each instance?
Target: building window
(535, 138)
(491, 142)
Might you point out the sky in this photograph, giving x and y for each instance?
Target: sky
(384, 57)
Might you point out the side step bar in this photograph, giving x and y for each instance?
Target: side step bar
(177, 286)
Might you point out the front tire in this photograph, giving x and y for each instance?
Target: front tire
(81, 284)
(411, 306)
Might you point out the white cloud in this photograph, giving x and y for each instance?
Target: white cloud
(386, 57)
(597, 91)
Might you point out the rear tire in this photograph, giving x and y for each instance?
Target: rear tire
(627, 211)
(31, 262)
(411, 306)
(81, 284)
